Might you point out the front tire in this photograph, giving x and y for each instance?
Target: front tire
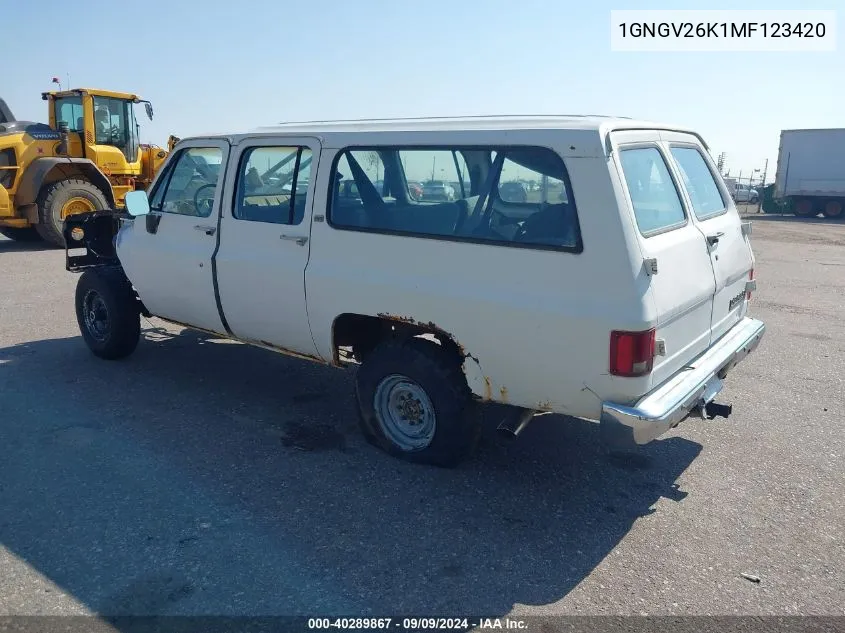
(107, 313)
(414, 403)
(60, 199)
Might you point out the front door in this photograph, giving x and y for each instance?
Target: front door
(167, 255)
(265, 242)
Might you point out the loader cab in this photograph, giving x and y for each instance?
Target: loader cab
(103, 127)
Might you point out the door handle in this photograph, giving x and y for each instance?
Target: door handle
(295, 238)
(209, 230)
(714, 239)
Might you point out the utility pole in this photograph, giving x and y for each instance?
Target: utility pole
(762, 186)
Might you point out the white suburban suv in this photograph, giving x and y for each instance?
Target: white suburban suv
(617, 291)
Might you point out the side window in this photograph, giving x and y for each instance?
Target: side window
(188, 187)
(69, 110)
(520, 185)
(272, 184)
(435, 175)
(699, 182)
(110, 121)
(657, 205)
(446, 193)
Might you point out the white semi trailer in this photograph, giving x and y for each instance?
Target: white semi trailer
(811, 172)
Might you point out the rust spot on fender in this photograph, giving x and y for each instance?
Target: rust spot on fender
(401, 319)
(544, 405)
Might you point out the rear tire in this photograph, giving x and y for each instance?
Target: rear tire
(804, 208)
(414, 403)
(108, 313)
(29, 234)
(55, 197)
(833, 209)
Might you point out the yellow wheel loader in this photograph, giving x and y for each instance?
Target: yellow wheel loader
(87, 158)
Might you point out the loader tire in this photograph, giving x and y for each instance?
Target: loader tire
(62, 198)
(29, 234)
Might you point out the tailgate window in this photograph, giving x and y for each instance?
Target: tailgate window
(703, 191)
(657, 204)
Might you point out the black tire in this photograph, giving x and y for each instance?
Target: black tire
(104, 296)
(457, 416)
(29, 234)
(833, 210)
(804, 208)
(52, 199)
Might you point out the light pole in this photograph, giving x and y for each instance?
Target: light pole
(762, 186)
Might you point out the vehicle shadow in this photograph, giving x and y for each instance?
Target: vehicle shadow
(203, 477)
(10, 246)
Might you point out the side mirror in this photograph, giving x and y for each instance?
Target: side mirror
(149, 108)
(137, 203)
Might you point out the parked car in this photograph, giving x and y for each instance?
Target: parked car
(438, 190)
(745, 194)
(546, 307)
(415, 190)
(513, 192)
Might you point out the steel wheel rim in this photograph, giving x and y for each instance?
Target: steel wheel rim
(96, 315)
(75, 205)
(404, 412)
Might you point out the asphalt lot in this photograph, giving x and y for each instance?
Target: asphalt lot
(203, 477)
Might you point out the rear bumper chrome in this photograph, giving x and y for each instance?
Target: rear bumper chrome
(689, 389)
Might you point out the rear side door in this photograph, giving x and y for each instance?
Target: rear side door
(168, 255)
(683, 286)
(716, 216)
(265, 242)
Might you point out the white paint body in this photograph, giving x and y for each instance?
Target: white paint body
(535, 324)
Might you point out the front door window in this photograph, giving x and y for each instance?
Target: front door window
(115, 125)
(189, 185)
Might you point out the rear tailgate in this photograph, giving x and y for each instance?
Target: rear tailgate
(717, 218)
(683, 287)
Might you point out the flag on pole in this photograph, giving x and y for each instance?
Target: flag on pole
(56, 80)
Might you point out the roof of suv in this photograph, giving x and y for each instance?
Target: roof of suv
(499, 122)
(602, 125)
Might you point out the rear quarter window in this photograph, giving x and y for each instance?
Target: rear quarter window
(657, 204)
(698, 180)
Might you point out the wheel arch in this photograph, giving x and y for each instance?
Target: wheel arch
(363, 332)
(45, 171)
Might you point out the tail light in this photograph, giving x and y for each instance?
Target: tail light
(750, 278)
(631, 353)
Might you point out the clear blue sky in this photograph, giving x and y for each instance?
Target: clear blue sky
(224, 65)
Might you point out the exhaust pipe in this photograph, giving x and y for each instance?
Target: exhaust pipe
(711, 410)
(513, 425)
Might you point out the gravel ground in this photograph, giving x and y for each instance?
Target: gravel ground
(206, 477)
